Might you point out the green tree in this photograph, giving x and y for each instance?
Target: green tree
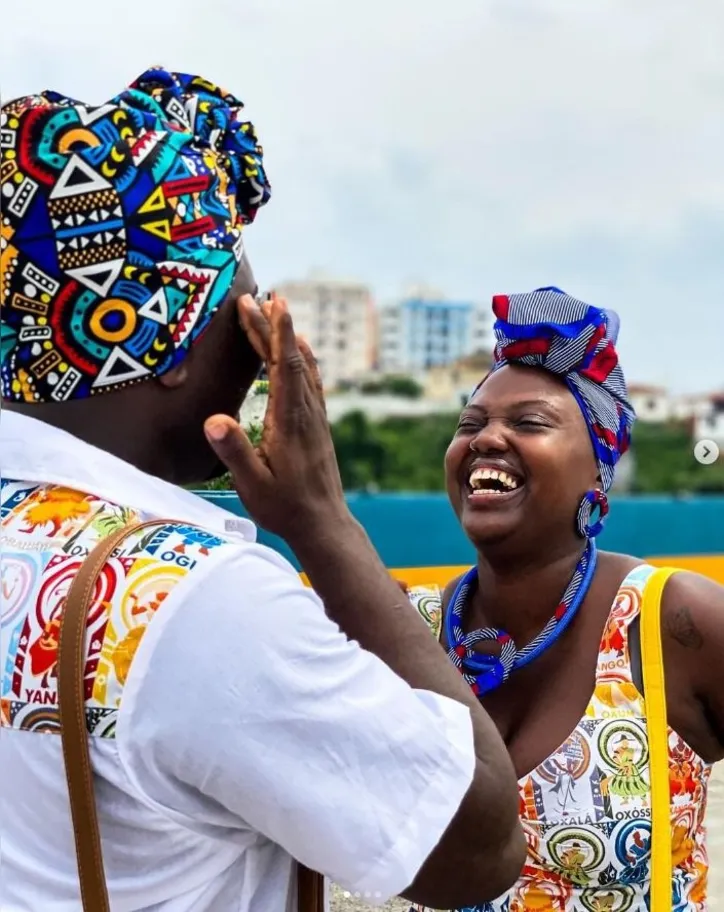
(665, 462)
(361, 454)
(396, 454)
(407, 454)
(393, 385)
(224, 482)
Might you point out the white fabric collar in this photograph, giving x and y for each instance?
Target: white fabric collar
(31, 450)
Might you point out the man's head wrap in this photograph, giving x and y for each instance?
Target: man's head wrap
(121, 231)
(549, 329)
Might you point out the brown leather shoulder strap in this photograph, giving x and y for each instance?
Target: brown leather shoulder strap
(74, 735)
(310, 890)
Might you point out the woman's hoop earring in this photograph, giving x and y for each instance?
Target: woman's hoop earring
(592, 501)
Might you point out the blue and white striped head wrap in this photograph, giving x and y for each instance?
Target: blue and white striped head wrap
(553, 331)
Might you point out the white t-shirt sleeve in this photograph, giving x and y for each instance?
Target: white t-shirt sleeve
(247, 708)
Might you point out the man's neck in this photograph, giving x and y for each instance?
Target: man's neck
(102, 428)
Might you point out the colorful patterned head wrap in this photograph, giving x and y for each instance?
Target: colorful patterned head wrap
(551, 330)
(121, 231)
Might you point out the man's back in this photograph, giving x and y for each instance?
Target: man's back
(152, 857)
(232, 724)
(250, 723)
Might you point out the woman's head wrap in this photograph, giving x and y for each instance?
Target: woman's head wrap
(549, 329)
(121, 231)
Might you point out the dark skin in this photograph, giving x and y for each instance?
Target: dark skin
(290, 484)
(158, 425)
(526, 422)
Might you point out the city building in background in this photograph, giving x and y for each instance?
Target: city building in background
(710, 425)
(337, 318)
(425, 330)
(692, 408)
(454, 383)
(652, 404)
(656, 405)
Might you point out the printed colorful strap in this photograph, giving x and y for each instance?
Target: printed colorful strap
(74, 735)
(652, 664)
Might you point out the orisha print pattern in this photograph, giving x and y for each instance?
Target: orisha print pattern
(46, 532)
(586, 810)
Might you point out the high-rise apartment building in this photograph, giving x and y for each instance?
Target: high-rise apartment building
(425, 330)
(337, 319)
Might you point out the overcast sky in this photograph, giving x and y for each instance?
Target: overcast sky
(482, 146)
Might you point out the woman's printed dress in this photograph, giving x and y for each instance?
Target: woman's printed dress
(586, 810)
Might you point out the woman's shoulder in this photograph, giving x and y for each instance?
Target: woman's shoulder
(692, 626)
(692, 611)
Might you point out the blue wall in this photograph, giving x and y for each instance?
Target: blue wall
(412, 530)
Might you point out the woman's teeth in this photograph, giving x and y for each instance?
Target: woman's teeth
(491, 481)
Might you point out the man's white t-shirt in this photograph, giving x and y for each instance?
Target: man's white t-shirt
(246, 731)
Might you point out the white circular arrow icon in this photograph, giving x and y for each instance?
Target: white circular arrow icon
(706, 452)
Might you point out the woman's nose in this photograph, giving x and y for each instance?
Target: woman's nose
(490, 439)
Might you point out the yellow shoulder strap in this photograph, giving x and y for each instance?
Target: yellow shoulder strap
(652, 664)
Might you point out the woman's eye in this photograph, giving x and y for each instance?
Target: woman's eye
(531, 423)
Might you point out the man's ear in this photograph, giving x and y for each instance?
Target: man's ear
(176, 377)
